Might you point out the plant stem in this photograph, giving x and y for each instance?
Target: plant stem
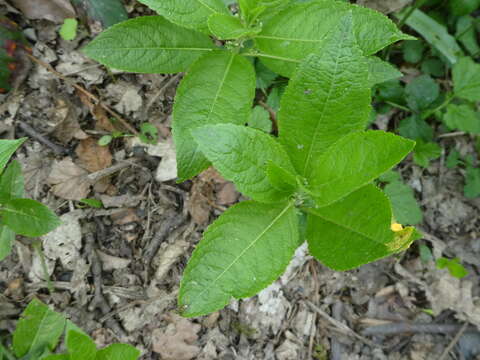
(272, 57)
(398, 106)
(447, 101)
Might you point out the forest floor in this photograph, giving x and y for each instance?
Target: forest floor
(115, 271)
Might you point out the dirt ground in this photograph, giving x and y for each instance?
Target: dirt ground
(115, 271)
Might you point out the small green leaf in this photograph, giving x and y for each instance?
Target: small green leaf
(192, 14)
(463, 7)
(261, 120)
(466, 79)
(281, 179)
(313, 114)
(81, 346)
(380, 71)
(227, 27)
(341, 238)
(293, 34)
(148, 44)
(38, 329)
(28, 217)
(434, 33)
(413, 51)
(247, 248)
(391, 91)
(425, 253)
(472, 183)
(265, 76)
(426, 152)
(118, 352)
(453, 159)
(405, 207)
(434, 67)
(463, 118)
(354, 161)
(241, 155)
(467, 35)
(421, 92)
(105, 140)
(415, 128)
(454, 267)
(7, 148)
(7, 237)
(148, 134)
(94, 203)
(223, 94)
(11, 183)
(68, 31)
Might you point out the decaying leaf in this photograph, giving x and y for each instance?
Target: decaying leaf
(92, 156)
(69, 180)
(53, 10)
(67, 126)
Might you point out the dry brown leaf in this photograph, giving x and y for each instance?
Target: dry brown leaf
(124, 217)
(198, 203)
(53, 10)
(92, 156)
(227, 194)
(69, 180)
(67, 126)
(176, 342)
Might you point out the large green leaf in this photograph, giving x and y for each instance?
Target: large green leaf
(436, 34)
(354, 231)
(328, 97)
(28, 217)
(354, 161)
(241, 154)
(463, 117)
(7, 237)
(7, 148)
(11, 182)
(226, 27)
(148, 44)
(298, 31)
(38, 329)
(118, 352)
(243, 251)
(219, 88)
(466, 79)
(192, 14)
(81, 346)
(380, 71)
(405, 207)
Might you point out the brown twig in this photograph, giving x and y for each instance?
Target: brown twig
(30, 131)
(337, 347)
(409, 328)
(273, 115)
(453, 342)
(85, 92)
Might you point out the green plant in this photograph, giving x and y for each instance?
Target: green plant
(68, 31)
(19, 215)
(148, 135)
(314, 181)
(455, 268)
(38, 333)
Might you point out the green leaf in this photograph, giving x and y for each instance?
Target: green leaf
(413, 51)
(11, 182)
(380, 71)
(105, 140)
(472, 183)
(281, 179)
(105, 12)
(434, 33)
(354, 161)
(466, 34)
(391, 91)
(426, 152)
(148, 134)
(192, 14)
(414, 127)
(354, 231)
(68, 31)
(313, 114)
(463, 7)
(466, 79)
(7, 237)
(261, 120)
(405, 207)
(219, 88)
(118, 352)
(421, 92)
(28, 217)
(148, 44)
(247, 248)
(57, 357)
(80, 346)
(454, 267)
(265, 76)
(434, 67)
(453, 159)
(38, 328)
(7, 148)
(463, 118)
(226, 27)
(296, 32)
(241, 155)
(94, 203)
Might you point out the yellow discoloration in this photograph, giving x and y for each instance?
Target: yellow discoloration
(396, 227)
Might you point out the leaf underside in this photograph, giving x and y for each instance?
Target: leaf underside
(243, 251)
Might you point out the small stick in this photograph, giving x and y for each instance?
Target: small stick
(57, 149)
(85, 92)
(452, 134)
(337, 348)
(154, 98)
(273, 115)
(96, 176)
(408, 328)
(453, 342)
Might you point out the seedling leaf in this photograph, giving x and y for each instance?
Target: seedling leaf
(11, 182)
(243, 251)
(118, 352)
(7, 148)
(7, 237)
(68, 31)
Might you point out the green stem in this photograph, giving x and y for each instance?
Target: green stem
(447, 101)
(398, 106)
(271, 57)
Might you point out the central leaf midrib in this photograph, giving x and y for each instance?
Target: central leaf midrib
(220, 86)
(242, 253)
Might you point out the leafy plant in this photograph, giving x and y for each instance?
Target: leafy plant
(19, 215)
(38, 334)
(311, 182)
(455, 268)
(68, 31)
